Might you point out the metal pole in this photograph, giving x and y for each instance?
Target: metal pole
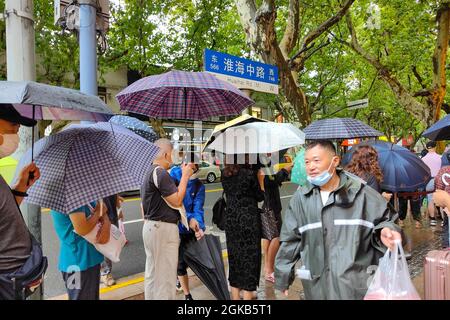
(21, 66)
(88, 47)
(247, 93)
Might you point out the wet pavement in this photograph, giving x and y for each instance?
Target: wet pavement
(421, 242)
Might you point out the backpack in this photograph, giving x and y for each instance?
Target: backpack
(219, 212)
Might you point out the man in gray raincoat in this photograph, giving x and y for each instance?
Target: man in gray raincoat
(338, 226)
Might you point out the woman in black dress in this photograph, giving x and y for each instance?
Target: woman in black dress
(242, 228)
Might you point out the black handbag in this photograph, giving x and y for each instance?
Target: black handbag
(219, 212)
(20, 284)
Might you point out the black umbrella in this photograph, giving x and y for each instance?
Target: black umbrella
(204, 257)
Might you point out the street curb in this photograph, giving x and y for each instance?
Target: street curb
(125, 288)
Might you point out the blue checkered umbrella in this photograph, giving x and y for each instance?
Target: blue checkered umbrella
(339, 128)
(87, 162)
(135, 125)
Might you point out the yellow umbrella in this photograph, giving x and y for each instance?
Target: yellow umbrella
(244, 119)
(8, 168)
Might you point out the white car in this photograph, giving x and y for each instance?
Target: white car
(208, 172)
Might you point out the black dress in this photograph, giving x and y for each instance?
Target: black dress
(243, 228)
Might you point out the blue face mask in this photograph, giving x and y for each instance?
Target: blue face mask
(321, 179)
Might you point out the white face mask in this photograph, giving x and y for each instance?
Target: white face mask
(9, 145)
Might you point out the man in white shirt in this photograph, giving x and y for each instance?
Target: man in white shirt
(433, 161)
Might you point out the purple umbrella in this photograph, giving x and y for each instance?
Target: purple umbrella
(183, 95)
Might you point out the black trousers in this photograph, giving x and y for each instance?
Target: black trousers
(84, 285)
(185, 238)
(415, 208)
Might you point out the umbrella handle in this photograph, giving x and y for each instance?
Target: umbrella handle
(31, 174)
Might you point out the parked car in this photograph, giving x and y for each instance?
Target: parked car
(208, 171)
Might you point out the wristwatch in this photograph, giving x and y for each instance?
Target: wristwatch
(19, 193)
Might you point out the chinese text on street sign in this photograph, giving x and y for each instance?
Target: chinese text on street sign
(243, 73)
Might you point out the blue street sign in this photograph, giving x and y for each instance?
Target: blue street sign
(228, 65)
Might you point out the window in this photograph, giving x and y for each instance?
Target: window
(102, 94)
(256, 112)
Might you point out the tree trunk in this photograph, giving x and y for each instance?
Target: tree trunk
(259, 27)
(157, 126)
(439, 59)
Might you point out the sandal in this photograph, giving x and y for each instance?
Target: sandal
(270, 277)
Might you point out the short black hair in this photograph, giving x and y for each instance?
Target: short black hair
(326, 144)
(431, 144)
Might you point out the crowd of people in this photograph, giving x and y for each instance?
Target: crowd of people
(339, 224)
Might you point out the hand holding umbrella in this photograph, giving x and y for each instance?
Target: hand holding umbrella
(26, 178)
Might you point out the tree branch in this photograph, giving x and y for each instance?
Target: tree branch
(405, 98)
(422, 93)
(326, 83)
(418, 77)
(298, 58)
(290, 36)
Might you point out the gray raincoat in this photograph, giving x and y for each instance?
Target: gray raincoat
(339, 243)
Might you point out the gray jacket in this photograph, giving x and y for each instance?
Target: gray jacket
(339, 243)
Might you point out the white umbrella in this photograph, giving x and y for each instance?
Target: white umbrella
(258, 137)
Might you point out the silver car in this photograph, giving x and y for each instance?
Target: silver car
(208, 171)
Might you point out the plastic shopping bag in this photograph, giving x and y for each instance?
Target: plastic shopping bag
(392, 280)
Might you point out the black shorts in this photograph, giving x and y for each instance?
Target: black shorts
(185, 238)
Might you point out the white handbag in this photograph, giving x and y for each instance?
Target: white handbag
(113, 247)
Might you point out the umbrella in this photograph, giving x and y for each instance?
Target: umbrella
(245, 118)
(298, 173)
(45, 102)
(402, 169)
(440, 130)
(51, 102)
(204, 257)
(135, 125)
(339, 128)
(258, 137)
(87, 162)
(183, 95)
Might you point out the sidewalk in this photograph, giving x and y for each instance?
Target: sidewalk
(132, 288)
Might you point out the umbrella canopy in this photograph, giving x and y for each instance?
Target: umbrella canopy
(339, 128)
(137, 126)
(245, 118)
(402, 169)
(87, 162)
(183, 95)
(51, 102)
(440, 130)
(258, 137)
(204, 257)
